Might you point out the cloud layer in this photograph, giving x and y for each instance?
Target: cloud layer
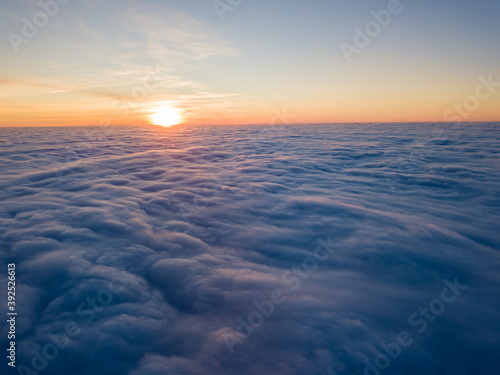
(158, 243)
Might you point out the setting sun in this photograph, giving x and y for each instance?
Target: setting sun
(167, 116)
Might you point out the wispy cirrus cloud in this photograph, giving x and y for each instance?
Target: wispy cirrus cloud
(38, 86)
(176, 34)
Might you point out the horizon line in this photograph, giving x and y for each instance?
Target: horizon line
(255, 124)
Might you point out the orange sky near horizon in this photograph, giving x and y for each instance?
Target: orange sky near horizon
(76, 109)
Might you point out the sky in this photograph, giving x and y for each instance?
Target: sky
(125, 62)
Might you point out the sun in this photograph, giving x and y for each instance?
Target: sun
(166, 116)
